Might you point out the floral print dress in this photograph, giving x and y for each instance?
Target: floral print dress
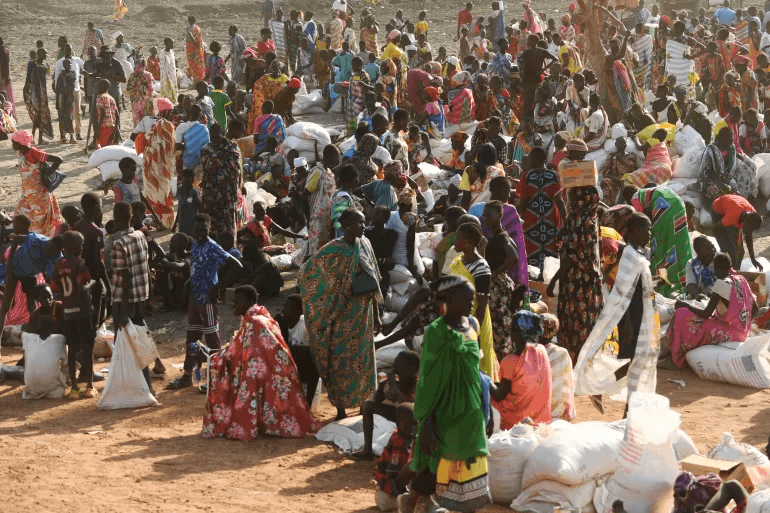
(582, 286)
(255, 387)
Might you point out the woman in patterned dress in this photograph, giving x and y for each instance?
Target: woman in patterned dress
(160, 164)
(340, 324)
(139, 89)
(255, 387)
(221, 162)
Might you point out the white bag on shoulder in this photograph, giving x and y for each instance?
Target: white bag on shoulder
(126, 386)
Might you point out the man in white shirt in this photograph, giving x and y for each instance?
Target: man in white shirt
(77, 67)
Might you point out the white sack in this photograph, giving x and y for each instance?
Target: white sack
(126, 386)
(748, 365)
(348, 434)
(543, 496)
(307, 130)
(113, 152)
(508, 453)
(43, 362)
(689, 164)
(730, 450)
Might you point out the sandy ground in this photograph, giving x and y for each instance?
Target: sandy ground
(65, 456)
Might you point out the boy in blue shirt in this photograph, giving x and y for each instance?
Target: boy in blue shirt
(206, 257)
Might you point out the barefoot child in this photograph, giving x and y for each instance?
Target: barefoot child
(392, 471)
(189, 200)
(72, 280)
(396, 388)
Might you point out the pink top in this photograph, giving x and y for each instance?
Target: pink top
(530, 377)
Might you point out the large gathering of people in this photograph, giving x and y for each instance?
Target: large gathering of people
(532, 283)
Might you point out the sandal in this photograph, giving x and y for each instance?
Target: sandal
(179, 383)
(75, 394)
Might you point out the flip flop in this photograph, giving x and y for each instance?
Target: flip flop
(178, 384)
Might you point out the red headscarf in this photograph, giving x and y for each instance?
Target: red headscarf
(433, 92)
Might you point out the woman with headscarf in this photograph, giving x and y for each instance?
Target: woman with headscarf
(255, 387)
(362, 158)
(392, 51)
(530, 16)
(389, 78)
(566, 30)
(265, 88)
(462, 104)
(579, 275)
(221, 181)
(617, 216)
(476, 177)
(541, 205)
(417, 79)
(140, 91)
(160, 164)
(385, 192)
(340, 289)
(671, 246)
(37, 203)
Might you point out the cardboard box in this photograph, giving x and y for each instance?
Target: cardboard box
(727, 470)
(578, 173)
(757, 282)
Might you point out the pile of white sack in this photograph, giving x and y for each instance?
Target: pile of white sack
(308, 102)
(108, 158)
(302, 136)
(584, 465)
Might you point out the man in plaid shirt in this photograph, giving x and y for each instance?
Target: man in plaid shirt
(129, 274)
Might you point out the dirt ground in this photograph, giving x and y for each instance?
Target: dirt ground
(65, 456)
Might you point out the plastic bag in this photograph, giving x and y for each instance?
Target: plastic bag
(126, 386)
(747, 366)
(646, 462)
(43, 363)
(141, 343)
(730, 450)
(508, 453)
(348, 434)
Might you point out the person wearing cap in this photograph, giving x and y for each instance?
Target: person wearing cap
(284, 100)
(157, 136)
(110, 69)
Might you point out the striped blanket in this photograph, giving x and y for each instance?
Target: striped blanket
(642, 46)
(677, 65)
(279, 39)
(742, 32)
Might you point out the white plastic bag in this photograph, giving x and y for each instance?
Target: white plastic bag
(43, 363)
(301, 145)
(307, 130)
(348, 434)
(730, 450)
(646, 462)
(689, 164)
(508, 453)
(141, 343)
(126, 386)
(687, 139)
(542, 496)
(112, 152)
(282, 262)
(575, 454)
(748, 365)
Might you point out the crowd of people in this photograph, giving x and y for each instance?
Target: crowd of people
(517, 101)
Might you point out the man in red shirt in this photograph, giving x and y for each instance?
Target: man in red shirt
(735, 218)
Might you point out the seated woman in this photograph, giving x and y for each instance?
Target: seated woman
(269, 159)
(268, 125)
(657, 163)
(255, 388)
(726, 318)
(528, 372)
(404, 221)
(700, 270)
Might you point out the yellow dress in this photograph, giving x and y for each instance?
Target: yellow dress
(489, 363)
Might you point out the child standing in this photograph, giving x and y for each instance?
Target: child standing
(189, 200)
(215, 65)
(292, 323)
(72, 280)
(392, 468)
(153, 64)
(221, 102)
(106, 116)
(92, 247)
(372, 68)
(205, 103)
(127, 188)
